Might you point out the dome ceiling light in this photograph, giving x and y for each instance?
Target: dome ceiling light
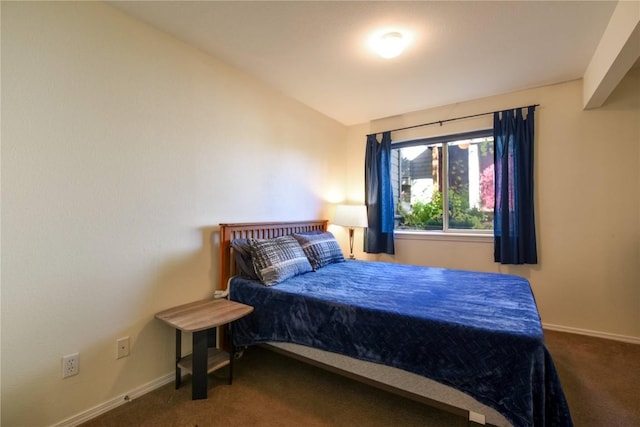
(389, 44)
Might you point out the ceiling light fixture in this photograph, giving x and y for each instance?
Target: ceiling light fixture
(390, 44)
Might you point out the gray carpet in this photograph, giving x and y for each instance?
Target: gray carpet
(600, 378)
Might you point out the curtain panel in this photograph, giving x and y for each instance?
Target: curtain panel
(378, 237)
(514, 219)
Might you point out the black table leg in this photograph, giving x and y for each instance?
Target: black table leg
(232, 353)
(178, 357)
(199, 374)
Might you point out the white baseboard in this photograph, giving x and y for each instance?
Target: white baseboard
(116, 401)
(605, 335)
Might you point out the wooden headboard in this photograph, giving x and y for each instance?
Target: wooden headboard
(257, 230)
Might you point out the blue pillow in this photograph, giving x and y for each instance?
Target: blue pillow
(321, 249)
(278, 259)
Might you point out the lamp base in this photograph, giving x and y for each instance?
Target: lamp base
(351, 230)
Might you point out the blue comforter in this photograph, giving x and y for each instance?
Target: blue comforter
(477, 332)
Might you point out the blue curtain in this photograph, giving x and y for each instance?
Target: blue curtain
(514, 219)
(378, 195)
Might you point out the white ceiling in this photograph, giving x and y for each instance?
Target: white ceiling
(317, 53)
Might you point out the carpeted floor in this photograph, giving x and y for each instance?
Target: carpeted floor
(600, 377)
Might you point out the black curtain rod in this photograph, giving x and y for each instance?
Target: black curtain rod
(440, 122)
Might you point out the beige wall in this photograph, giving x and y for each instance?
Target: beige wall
(587, 199)
(122, 149)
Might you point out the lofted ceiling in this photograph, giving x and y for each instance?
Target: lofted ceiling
(317, 51)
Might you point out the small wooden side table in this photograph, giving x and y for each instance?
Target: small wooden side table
(198, 317)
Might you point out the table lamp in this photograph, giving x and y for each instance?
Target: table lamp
(351, 216)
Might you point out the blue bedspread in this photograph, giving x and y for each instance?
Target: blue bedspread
(477, 332)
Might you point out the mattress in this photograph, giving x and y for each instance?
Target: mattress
(478, 333)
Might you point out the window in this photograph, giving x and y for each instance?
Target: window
(454, 171)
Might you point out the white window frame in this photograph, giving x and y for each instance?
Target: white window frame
(463, 235)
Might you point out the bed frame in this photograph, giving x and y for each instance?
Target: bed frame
(426, 393)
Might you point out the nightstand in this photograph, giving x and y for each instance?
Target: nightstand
(198, 317)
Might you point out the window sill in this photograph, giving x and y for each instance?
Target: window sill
(442, 236)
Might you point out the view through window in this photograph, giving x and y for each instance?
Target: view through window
(454, 171)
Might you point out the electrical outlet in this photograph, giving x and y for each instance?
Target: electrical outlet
(123, 347)
(70, 365)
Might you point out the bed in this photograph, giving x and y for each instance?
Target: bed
(467, 342)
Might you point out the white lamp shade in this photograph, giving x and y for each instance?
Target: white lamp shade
(351, 216)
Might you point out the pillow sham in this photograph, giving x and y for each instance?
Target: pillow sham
(321, 249)
(242, 254)
(278, 259)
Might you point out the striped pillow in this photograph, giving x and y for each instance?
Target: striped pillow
(278, 259)
(321, 249)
